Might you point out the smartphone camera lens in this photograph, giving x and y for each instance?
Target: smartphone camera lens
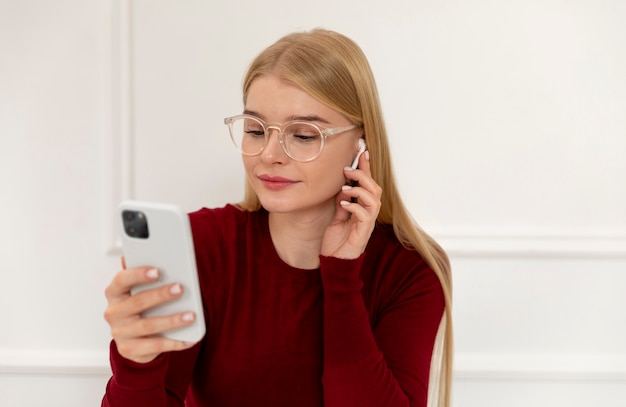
(135, 224)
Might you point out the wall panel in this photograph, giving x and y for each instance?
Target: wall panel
(507, 132)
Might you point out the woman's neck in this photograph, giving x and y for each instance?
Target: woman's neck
(298, 238)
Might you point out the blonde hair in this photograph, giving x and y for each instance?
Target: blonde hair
(333, 69)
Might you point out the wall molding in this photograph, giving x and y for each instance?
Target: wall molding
(120, 179)
(468, 367)
(54, 362)
(581, 246)
(538, 367)
(119, 142)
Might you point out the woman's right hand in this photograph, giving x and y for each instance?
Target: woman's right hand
(135, 336)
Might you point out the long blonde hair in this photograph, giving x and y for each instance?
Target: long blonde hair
(333, 69)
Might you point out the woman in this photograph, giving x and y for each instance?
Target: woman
(318, 288)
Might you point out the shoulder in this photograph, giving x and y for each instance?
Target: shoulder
(384, 247)
(219, 237)
(392, 268)
(218, 224)
(229, 210)
(228, 213)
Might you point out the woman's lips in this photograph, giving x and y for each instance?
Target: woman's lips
(276, 183)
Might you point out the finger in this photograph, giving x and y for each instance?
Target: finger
(359, 176)
(358, 211)
(369, 198)
(145, 327)
(364, 162)
(346, 194)
(364, 180)
(147, 299)
(361, 204)
(340, 214)
(128, 278)
(133, 306)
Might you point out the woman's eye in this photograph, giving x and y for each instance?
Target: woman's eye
(305, 137)
(256, 133)
(303, 134)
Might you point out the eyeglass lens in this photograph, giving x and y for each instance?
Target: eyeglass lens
(301, 140)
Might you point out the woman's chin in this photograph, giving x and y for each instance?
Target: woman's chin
(289, 206)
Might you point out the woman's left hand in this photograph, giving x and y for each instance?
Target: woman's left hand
(348, 233)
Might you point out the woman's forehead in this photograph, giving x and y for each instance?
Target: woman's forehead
(271, 98)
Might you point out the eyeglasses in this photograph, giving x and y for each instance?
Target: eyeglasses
(300, 140)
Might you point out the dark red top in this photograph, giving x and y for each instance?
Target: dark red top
(353, 333)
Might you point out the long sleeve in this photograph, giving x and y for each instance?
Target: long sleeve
(162, 382)
(353, 333)
(381, 355)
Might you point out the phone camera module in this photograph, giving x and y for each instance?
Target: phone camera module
(135, 224)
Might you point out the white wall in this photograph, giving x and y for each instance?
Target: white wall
(509, 139)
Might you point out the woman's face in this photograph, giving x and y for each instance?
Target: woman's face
(282, 184)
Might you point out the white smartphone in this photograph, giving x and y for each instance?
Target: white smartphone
(159, 235)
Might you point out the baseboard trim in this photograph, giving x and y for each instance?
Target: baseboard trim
(544, 368)
(467, 367)
(54, 362)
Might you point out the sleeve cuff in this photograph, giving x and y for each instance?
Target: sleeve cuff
(138, 376)
(341, 276)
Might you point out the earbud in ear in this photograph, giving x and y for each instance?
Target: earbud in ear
(362, 147)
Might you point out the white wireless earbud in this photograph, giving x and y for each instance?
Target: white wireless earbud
(362, 147)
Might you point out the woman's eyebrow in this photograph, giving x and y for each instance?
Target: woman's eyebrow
(307, 118)
(303, 118)
(253, 113)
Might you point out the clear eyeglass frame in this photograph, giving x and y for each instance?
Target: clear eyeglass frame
(267, 127)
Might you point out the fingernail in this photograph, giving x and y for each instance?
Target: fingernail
(152, 274)
(346, 188)
(176, 289)
(367, 155)
(188, 316)
(348, 168)
(344, 203)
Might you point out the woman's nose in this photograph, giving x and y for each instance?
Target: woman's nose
(273, 151)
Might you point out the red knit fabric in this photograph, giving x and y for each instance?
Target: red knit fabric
(353, 333)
